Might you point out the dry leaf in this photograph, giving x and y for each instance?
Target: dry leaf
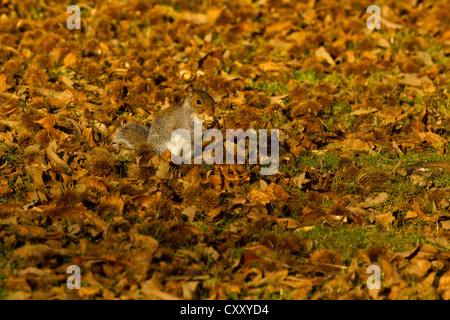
(322, 53)
(8, 109)
(361, 111)
(164, 171)
(70, 60)
(375, 201)
(53, 156)
(444, 286)
(3, 85)
(300, 179)
(385, 219)
(190, 213)
(48, 124)
(256, 196)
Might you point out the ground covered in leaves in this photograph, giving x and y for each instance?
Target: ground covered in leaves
(364, 175)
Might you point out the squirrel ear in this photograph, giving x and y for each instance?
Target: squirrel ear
(190, 91)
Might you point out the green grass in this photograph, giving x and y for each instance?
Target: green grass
(339, 114)
(280, 87)
(401, 188)
(270, 87)
(5, 253)
(306, 76)
(379, 162)
(409, 158)
(379, 168)
(330, 162)
(441, 180)
(335, 78)
(9, 155)
(347, 240)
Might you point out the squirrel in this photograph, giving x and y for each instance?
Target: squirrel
(197, 106)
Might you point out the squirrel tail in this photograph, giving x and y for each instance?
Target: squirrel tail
(131, 135)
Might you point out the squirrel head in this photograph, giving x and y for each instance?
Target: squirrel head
(200, 101)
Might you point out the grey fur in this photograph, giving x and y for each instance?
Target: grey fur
(176, 117)
(163, 126)
(133, 134)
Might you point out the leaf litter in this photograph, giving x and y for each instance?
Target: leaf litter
(364, 139)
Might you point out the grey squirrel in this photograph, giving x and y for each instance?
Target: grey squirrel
(197, 106)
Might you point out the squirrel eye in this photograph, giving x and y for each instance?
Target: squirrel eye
(199, 102)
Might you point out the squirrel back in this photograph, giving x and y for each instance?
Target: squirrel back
(198, 105)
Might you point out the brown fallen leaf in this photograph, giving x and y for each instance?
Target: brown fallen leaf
(19, 295)
(275, 67)
(351, 145)
(189, 289)
(445, 225)
(433, 139)
(67, 81)
(230, 173)
(427, 290)
(216, 181)
(239, 199)
(8, 109)
(239, 98)
(31, 232)
(229, 77)
(302, 286)
(384, 219)
(36, 254)
(277, 192)
(164, 171)
(198, 18)
(58, 98)
(325, 261)
(48, 124)
(374, 201)
(53, 156)
(300, 180)
(390, 24)
(270, 277)
(36, 172)
(441, 241)
(3, 85)
(419, 180)
(322, 53)
(190, 213)
(249, 258)
(363, 111)
(70, 60)
(417, 267)
(288, 222)
(213, 213)
(444, 286)
(439, 167)
(257, 196)
(88, 292)
(92, 182)
(153, 293)
(35, 271)
(279, 28)
(412, 79)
